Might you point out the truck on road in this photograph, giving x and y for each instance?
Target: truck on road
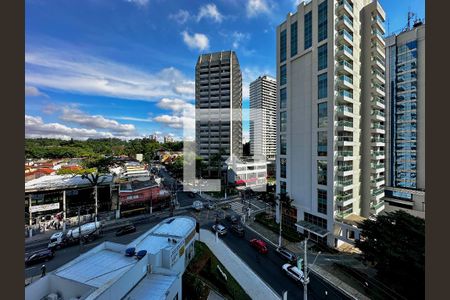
(85, 232)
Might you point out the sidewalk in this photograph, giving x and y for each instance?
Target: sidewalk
(254, 286)
(323, 266)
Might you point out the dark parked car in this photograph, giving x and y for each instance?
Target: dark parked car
(288, 255)
(233, 219)
(191, 194)
(125, 229)
(39, 256)
(238, 229)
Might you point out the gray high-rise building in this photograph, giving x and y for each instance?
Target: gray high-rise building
(263, 117)
(330, 123)
(218, 103)
(405, 159)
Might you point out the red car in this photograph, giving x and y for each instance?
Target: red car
(259, 245)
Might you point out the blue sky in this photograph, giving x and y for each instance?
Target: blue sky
(125, 68)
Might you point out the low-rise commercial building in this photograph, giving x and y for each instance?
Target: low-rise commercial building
(105, 272)
(247, 173)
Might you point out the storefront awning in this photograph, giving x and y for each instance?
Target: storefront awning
(321, 232)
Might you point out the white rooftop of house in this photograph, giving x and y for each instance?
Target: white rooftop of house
(57, 182)
(156, 283)
(98, 269)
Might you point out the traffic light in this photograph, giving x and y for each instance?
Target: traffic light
(197, 227)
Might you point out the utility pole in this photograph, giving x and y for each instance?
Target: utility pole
(79, 227)
(305, 276)
(96, 202)
(280, 213)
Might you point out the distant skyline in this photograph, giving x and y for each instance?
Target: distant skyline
(125, 68)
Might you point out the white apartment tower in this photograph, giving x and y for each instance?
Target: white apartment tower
(405, 111)
(330, 127)
(218, 103)
(263, 117)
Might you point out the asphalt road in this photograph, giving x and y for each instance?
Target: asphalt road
(268, 267)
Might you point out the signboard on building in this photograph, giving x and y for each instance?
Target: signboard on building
(44, 207)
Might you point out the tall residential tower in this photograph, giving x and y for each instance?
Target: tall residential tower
(263, 117)
(405, 159)
(330, 128)
(218, 103)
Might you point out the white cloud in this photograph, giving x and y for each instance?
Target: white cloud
(138, 2)
(197, 41)
(32, 91)
(210, 11)
(125, 118)
(61, 69)
(183, 113)
(256, 7)
(238, 38)
(35, 127)
(176, 105)
(181, 17)
(76, 116)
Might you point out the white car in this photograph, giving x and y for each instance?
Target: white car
(221, 230)
(293, 272)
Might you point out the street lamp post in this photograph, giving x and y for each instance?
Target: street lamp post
(280, 214)
(306, 272)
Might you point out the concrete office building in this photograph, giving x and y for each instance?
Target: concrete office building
(330, 127)
(405, 159)
(218, 103)
(106, 272)
(263, 117)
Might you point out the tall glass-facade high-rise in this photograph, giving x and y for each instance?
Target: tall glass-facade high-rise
(405, 188)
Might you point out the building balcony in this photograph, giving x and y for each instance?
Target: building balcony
(376, 128)
(378, 90)
(345, 81)
(376, 207)
(345, 170)
(345, 155)
(378, 115)
(378, 76)
(377, 155)
(377, 36)
(344, 7)
(343, 214)
(344, 22)
(377, 182)
(377, 194)
(345, 141)
(344, 200)
(344, 111)
(377, 102)
(345, 96)
(344, 67)
(378, 64)
(344, 52)
(378, 51)
(344, 185)
(377, 23)
(344, 126)
(345, 37)
(377, 168)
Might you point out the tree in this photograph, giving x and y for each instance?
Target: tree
(284, 201)
(395, 244)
